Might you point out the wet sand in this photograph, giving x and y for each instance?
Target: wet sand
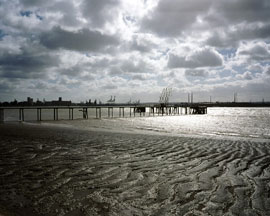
(63, 171)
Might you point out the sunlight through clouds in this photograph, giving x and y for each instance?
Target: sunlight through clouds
(124, 47)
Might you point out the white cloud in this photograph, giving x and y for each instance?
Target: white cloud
(254, 51)
(133, 48)
(205, 57)
(196, 73)
(247, 75)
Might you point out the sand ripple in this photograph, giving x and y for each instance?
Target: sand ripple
(64, 172)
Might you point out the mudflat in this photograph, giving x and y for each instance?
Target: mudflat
(64, 171)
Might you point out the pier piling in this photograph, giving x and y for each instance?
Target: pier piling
(70, 113)
(55, 114)
(138, 110)
(21, 114)
(2, 115)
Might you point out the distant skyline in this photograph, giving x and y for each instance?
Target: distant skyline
(92, 49)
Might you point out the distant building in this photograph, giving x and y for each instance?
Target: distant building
(30, 101)
(59, 102)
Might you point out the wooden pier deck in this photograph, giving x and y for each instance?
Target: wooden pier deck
(124, 110)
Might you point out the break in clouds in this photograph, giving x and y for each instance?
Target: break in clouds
(133, 49)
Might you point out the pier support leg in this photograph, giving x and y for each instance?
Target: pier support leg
(38, 114)
(54, 114)
(70, 113)
(2, 115)
(110, 112)
(85, 113)
(21, 114)
(98, 112)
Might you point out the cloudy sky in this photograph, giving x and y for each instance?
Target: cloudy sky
(82, 49)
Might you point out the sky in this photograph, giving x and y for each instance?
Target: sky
(92, 49)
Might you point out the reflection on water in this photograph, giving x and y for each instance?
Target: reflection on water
(236, 122)
(243, 122)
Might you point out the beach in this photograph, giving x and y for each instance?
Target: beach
(53, 170)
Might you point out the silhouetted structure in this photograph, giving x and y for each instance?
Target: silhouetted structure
(59, 102)
(165, 96)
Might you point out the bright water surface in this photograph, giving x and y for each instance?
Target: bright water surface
(232, 122)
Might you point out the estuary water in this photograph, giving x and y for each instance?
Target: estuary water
(219, 122)
(232, 122)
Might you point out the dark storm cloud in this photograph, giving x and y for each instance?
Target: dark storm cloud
(32, 3)
(201, 58)
(138, 77)
(5, 86)
(255, 52)
(130, 67)
(172, 17)
(82, 40)
(243, 10)
(267, 71)
(232, 38)
(73, 71)
(26, 65)
(98, 12)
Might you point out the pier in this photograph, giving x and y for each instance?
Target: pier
(104, 111)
